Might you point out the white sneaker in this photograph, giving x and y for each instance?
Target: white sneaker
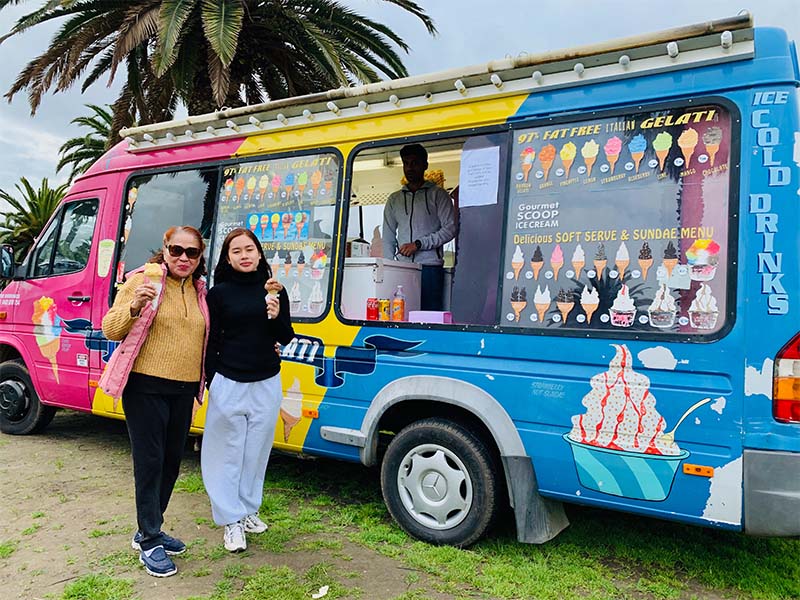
(254, 524)
(234, 537)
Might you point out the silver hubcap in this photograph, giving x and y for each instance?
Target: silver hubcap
(434, 486)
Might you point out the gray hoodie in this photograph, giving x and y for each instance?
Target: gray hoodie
(426, 215)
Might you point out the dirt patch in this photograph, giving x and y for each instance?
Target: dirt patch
(67, 509)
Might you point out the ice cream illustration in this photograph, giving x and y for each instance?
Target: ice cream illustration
(578, 260)
(316, 299)
(556, 260)
(47, 330)
(623, 310)
(263, 184)
(319, 261)
(712, 138)
(663, 308)
(299, 223)
(528, 156)
(286, 223)
(612, 149)
(276, 184)
(153, 272)
(302, 181)
(662, 145)
(301, 263)
(316, 179)
(541, 300)
(589, 152)
(517, 261)
(264, 222)
(590, 300)
(687, 141)
(295, 298)
(622, 260)
(645, 259)
(564, 303)
(288, 183)
(567, 154)
(274, 221)
(291, 408)
(275, 262)
(637, 147)
(537, 262)
(703, 256)
(133, 194)
(228, 189)
(670, 257)
(519, 300)
(600, 260)
(251, 186)
(619, 444)
(546, 157)
(287, 264)
(328, 182)
(703, 311)
(240, 184)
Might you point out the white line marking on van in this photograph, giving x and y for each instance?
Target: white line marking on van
(658, 357)
(724, 503)
(758, 382)
(490, 377)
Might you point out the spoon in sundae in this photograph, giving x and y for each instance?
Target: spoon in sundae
(669, 437)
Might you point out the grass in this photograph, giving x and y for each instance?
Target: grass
(7, 549)
(98, 587)
(190, 482)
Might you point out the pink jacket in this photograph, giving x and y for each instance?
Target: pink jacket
(115, 376)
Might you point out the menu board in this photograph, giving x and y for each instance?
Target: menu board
(288, 204)
(620, 223)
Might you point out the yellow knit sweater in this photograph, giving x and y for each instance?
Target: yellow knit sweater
(173, 348)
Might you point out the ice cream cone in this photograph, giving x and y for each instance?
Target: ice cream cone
(518, 307)
(289, 421)
(275, 190)
(589, 310)
(541, 309)
(621, 266)
(286, 268)
(687, 154)
(662, 156)
(300, 268)
(712, 150)
(567, 166)
(49, 351)
(589, 160)
(612, 161)
(637, 158)
(274, 229)
(599, 266)
(300, 228)
(314, 188)
(564, 308)
(556, 268)
(526, 170)
(577, 266)
(286, 227)
(517, 266)
(536, 266)
(288, 189)
(669, 264)
(546, 164)
(644, 265)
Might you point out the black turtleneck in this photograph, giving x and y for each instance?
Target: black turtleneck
(241, 344)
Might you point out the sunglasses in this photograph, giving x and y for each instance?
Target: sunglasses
(176, 251)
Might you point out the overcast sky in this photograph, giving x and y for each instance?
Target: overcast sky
(475, 32)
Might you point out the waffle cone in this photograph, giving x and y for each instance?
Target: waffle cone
(518, 307)
(517, 266)
(637, 158)
(712, 150)
(546, 164)
(286, 268)
(589, 310)
(599, 266)
(536, 267)
(577, 266)
(644, 265)
(621, 266)
(526, 170)
(589, 160)
(286, 229)
(612, 161)
(541, 309)
(687, 153)
(662, 156)
(564, 308)
(289, 421)
(300, 268)
(556, 268)
(567, 166)
(669, 264)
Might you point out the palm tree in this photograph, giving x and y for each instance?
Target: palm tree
(82, 152)
(31, 210)
(207, 53)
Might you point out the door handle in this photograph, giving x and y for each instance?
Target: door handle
(79, 298)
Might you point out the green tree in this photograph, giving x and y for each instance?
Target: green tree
(207, 53)
(83, 152)
(31, 208)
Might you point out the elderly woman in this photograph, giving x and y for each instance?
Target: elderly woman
(161, 316)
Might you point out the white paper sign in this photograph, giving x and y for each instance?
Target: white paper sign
(479, 177)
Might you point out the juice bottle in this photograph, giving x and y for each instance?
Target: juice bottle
(399, 305)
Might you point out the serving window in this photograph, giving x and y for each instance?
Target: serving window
(620, 224)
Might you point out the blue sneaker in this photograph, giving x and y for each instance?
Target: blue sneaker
(172, 546)
(158, 564)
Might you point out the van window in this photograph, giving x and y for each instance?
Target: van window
(620, 224)
(289, 204)
(160, 201)
(70, 236)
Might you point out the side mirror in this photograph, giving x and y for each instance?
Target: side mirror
(7, 267)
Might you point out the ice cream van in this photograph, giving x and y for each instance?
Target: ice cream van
(622, 301)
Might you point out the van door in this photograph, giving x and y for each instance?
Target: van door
(55, 303)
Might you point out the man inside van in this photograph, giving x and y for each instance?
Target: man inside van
(418, 220)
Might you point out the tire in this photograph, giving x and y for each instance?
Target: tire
(439, 482)
(21, 412)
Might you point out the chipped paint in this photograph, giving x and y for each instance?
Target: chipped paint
(658, 357)
(724, 503)
(759, 381)
(719, 405)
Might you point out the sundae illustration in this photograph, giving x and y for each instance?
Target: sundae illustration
(153, 273)
(612, 149)
(541, 300)
(528, 156)
(295, 298)
(291, 408)
(556, 260)
(712, 138)
(567, 154)
(589, 152)
(47, 330)
(623, 310)
(319, 260)
(703, 256)
(564, 303)
(301, 263)
(663, 309)
(546, 157)
(637, 147)
(687, 142)
(519, 300)
(517, 261)
(302, 181)
(316, 299)
(670, 258)
(600, 260)
(590, 300)
(537, 262)
(578, 261)
(645, 259)
(661, 145)
(622, 260)
(316, 179)
(703, 312)
(619, 444)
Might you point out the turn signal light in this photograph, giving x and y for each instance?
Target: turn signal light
(786, 383)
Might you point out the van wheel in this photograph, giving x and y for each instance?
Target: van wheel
(21, 412)
(439, 482)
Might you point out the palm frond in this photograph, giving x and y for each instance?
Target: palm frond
(172, 17)
(222, 23)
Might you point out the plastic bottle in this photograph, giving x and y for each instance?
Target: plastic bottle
(399, 305)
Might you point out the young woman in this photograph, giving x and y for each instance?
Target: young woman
(245, 394)
(160, 314)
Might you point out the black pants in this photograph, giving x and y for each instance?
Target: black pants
(158, 413)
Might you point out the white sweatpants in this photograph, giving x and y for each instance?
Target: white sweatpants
(239, 429)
